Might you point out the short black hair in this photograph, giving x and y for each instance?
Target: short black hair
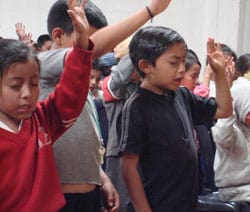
(58, 17)
(42, 39)
(150, 42)
(228, 51)
(242, 64)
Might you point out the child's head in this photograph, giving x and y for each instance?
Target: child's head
(193, 67)
(96, 74)
(19, 80)
(44, 42)
(242, 65)
(59, 23)
(228, 52)
(158, 54)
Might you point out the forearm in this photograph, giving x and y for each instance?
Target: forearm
(207, 76)
(72, 90)
(223, 132)
(223, 97)
(134, 185)
(108, 37)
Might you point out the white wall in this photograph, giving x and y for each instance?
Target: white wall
(226, 20)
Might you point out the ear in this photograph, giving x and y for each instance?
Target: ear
(57, 36)
(145, 66)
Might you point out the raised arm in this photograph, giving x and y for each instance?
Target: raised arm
(218, 64)
(80, 23)
(71, 92)
(108, 37)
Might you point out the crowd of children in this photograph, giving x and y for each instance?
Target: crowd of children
(93, 120)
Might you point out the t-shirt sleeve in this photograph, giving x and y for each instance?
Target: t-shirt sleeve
(202, 109)
(132, 129)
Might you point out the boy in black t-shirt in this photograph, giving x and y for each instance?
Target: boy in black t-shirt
(158, 155)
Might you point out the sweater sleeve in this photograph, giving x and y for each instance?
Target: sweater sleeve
(223, 132)
(65, 104)
(115, 86)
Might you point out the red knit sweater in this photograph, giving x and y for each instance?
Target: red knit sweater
(28, 176)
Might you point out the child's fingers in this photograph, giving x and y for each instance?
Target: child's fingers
(71, 4)
(218, 47)
(210, 45)
(83, 3)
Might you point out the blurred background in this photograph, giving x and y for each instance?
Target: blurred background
(196, 20)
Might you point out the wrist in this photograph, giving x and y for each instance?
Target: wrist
(150, 13)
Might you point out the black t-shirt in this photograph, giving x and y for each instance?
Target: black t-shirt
(160, 129)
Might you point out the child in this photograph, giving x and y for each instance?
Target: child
(232, 137)
(193, 68)
(158, 156)
(117, 88)
(28, 128)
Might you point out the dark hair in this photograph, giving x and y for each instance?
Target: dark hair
(42, 39)
(95, 16)
(98, 65)
(228, 51)
(58, 17)
(243, 64)
(14, 51)
(191, 58)
(150, 42)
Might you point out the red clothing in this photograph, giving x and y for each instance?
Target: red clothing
(29, 180)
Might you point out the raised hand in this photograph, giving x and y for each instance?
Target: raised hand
(158, 6)
(80, 23)
(215, 56)
(20, 30)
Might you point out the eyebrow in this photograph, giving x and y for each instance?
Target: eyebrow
(20, 78)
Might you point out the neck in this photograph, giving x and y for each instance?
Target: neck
(12, 123)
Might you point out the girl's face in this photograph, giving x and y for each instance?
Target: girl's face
(191, 77)
(19, 90)
(168, 71)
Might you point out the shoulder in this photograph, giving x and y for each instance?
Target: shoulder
(52, 54)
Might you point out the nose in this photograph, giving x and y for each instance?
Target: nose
(25, 92)
(182, 68)
(93, 81)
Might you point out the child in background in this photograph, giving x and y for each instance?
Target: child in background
(44, 42)
(158, 155)
(232, 139)
(28, 129)
(203, 138)
(192, 71)
(117, 88)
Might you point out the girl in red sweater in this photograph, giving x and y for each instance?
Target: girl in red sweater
(28, 128)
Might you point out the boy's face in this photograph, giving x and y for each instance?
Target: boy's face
(191, 77)
(19, 90)
(46, 46)
(95, 78)
(168, 71)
